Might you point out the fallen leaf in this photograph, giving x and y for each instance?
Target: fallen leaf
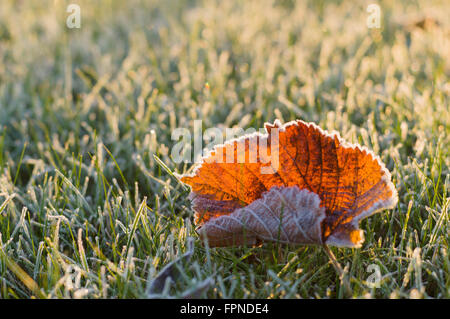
(306, 186)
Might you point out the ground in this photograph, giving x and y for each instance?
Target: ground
(89, 203)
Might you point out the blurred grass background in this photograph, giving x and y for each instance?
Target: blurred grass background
(87, 211)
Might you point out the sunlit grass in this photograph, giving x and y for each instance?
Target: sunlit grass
(89, 206)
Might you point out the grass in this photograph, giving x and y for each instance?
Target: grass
(89, 207)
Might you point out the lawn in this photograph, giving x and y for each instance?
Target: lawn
(89, 203)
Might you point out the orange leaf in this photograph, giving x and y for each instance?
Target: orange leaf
(245, 176)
